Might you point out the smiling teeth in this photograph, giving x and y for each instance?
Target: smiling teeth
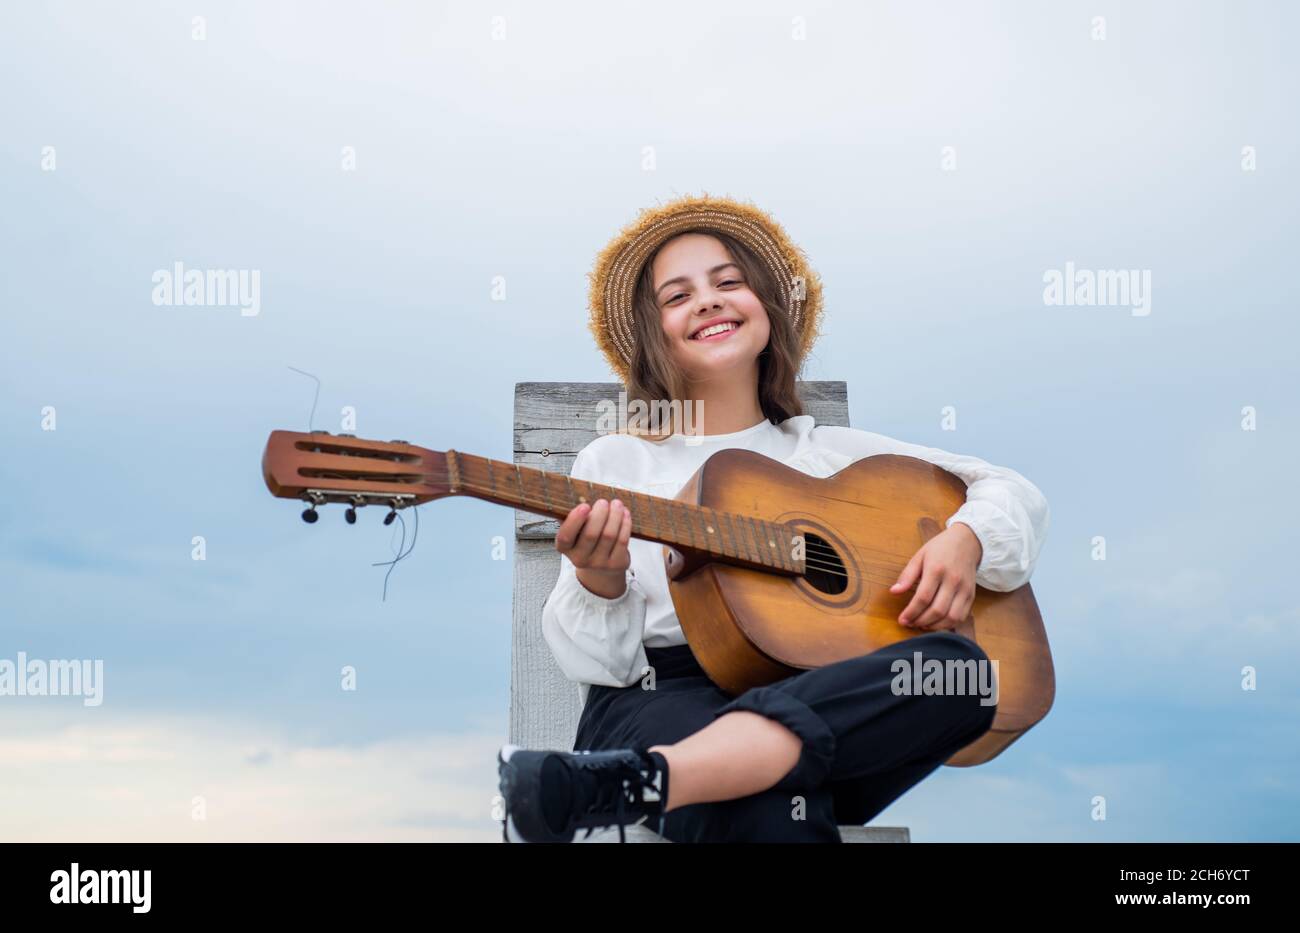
(715, 329)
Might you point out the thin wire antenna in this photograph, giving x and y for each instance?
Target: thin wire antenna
(401, 555)
(311, 419)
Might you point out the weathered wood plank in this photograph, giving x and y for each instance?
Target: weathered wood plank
(544, 704)
(555, 420)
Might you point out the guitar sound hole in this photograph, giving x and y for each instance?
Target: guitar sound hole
(823, 569)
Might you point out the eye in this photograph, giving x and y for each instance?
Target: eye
(673, 298)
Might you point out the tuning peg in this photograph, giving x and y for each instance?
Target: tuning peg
(312, 499)
(351, 515)
(392, 514)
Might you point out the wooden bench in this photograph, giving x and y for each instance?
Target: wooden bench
(553, 421)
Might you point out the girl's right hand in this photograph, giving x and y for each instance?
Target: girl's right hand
(594, 537)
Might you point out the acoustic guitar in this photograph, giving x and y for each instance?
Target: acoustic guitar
(771, 571)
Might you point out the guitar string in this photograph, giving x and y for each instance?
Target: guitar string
(527, 498)
(828, 562)
(401, 555)
(311, 418)
(831, 569)
(732, 517)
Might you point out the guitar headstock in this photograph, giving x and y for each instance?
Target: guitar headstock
(319, 467)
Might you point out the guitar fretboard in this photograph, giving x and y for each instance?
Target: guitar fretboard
(741, 538)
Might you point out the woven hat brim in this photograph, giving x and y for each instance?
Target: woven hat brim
(612, 281)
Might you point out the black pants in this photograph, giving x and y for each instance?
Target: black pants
(864, 744)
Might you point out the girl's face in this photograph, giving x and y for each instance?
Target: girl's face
(697, 285)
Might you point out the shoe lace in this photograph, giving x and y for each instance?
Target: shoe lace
(620, 785)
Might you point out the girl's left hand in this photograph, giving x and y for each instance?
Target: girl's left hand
(945, 566)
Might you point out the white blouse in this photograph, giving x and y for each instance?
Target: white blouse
(602, 641)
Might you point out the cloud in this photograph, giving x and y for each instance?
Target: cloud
(1146, 799)
(136, 779)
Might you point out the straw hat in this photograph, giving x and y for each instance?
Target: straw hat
(619, 265)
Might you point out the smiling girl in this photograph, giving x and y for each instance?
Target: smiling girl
(706, 301)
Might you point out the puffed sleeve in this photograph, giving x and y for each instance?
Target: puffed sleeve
(595, 640)
(1007, 512)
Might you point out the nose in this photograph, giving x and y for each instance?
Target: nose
(709, 299)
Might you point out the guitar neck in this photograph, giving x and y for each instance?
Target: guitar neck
(725, 536)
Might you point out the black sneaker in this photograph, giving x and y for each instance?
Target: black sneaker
(550, 795)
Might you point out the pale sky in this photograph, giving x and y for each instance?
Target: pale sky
(934, 160)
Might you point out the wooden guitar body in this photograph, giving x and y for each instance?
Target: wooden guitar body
(748, 627)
